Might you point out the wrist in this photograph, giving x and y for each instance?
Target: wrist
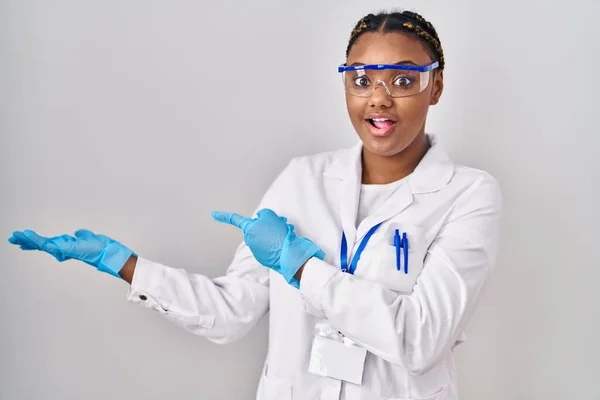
(113, 258)
(298, 274)
(126, 273)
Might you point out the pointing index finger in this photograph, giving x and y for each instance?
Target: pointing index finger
(232, 219)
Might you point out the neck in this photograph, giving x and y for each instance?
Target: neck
(379, 170)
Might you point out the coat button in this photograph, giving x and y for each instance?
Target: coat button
(142, 297)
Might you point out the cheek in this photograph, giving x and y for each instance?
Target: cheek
(412, 110)
(356, 108)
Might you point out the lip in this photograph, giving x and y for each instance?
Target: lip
(380, 132)
(381, 115)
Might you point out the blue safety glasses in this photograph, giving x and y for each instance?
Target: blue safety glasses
(398, 80)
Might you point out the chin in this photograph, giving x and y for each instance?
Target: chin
(384, 147)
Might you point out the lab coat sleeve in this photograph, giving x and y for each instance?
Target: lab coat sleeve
(418, 329)
(222, 309)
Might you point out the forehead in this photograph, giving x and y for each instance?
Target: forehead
(387, 48)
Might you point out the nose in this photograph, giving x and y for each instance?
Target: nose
(380, 96)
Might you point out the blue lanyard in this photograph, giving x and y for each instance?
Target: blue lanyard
(361, 247)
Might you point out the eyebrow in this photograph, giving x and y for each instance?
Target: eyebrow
(405, 62)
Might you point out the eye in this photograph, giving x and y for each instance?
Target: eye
(403, 82)
(361, 81)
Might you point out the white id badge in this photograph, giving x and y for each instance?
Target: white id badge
(336, 357)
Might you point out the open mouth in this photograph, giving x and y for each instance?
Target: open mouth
(381, 123)
(380, 126)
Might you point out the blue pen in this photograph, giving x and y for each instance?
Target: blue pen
(398, 245)
(405, 248)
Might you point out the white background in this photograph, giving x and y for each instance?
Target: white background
(137, 118)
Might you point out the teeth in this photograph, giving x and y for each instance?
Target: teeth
(381, 119)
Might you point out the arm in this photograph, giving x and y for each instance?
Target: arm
(222, 310)
(416, 330)
(128, 269)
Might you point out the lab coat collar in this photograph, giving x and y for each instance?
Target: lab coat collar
(432, 174)
(434, 171)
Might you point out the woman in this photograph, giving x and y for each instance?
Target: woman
(370, 259)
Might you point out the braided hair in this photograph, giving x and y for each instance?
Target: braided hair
(404, 22)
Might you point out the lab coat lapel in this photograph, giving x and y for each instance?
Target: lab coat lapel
(350, 193)
(393, 206)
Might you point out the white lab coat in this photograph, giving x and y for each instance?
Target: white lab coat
(409, 324)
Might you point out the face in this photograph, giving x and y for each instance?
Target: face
(408, 114)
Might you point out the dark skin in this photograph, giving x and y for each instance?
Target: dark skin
(391, 158)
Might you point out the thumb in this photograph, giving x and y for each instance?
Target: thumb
(232, 219)
(268, 213)
(84, 234)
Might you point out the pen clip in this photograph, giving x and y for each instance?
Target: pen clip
(405, 248)
(398, 245)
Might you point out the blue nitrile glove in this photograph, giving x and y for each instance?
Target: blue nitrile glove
(273, 242)
(99, 251)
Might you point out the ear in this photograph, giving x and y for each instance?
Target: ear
(438, 87)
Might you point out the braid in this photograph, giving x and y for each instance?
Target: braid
(369, 23)
(404, 22)
(432, 40)
(361, 26)
(421, 20)
(425, 30)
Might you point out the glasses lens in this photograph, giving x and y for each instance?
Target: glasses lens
(400, 83)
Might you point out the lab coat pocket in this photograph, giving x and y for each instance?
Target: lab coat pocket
(384, 259)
